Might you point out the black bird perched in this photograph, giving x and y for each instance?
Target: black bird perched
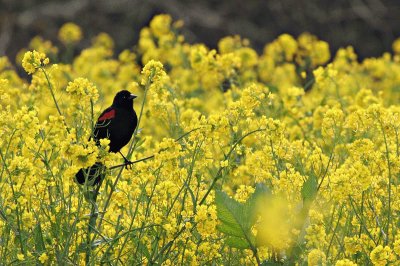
(117, 123)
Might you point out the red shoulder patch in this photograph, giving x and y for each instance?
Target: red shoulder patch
(110, 114)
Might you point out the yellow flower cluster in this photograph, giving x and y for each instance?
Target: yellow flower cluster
(34, 60)
(82, 88)
(321, 133)
(70, 33)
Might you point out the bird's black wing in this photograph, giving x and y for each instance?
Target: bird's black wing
(102, 127)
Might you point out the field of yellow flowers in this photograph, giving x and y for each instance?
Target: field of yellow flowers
(290, 157)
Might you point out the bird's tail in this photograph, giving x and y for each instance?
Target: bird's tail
(91, 175)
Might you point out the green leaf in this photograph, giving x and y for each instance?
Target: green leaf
(230, 230)
(38, 238)
(230, 212)
(192, 196)
(236, 242)
(309, 189)
(235, 221)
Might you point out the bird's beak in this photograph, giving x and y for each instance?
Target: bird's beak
(132, 96)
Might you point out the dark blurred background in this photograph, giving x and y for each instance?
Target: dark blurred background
(369, 25)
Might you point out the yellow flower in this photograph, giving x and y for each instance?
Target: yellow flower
(243, 193)
(352, 245)
(320, 53)
(345, 262)
(229, 44)
(28, 219)
(82, 87)
(70, 33)
(20, 256)
(43, 258)
(396, 46)
(380, 255)
(103, 40)
(332, 123)
(316, 258)
(313, 50)
(282, 49)
(104, 143)
(224, 163)
(396, 247)
(160, 25)
(33, 60)
(154, 72)
(248, 56)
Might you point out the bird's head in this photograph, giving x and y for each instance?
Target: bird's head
(124, 99)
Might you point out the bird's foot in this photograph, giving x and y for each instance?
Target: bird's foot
(128, 164)
(126, 161)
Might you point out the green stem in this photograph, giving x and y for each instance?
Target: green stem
(130, 163)
(389, 213)
(361, 220)
(18, 212)
(51, 90)
(53, 96)
(326, 169)
(92, 116)
(334, 231)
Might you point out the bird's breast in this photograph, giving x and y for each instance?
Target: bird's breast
(122, 129)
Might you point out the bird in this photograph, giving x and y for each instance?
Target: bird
(116, 123)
